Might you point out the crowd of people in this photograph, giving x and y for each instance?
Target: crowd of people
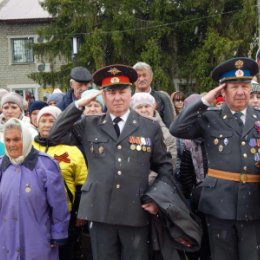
(116, 170)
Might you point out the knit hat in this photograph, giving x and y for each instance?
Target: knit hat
(51, 110)
(3, 91)
(99, 98)
(57, 97)
(13, 97)
(141, 98)
(36, 105)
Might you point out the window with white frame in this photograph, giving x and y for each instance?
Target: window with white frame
(21, 50)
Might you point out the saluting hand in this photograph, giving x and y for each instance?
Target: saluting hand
(86, 100)
(211, 96)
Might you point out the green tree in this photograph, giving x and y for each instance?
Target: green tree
(179, 39)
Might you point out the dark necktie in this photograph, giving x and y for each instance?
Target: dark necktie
(115, 123)
(237, 116)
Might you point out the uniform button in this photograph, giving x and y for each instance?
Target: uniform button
(245, 155)
(119, 159)
(243, 143)
(245, 168)
(118, 186)
(119, 172)
(119, 147)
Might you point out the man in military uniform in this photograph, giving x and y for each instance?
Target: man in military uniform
(121, 147)
(230, 195)
(80, 79)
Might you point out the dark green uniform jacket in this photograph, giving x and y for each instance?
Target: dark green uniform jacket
(227, 150)
(117, 172)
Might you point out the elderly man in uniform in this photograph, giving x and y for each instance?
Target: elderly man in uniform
(230, 195)
(121, 147)
(80, 79)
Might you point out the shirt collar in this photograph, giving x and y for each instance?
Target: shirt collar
(243, 111)
(123, 117)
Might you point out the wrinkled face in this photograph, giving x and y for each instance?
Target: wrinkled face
(92, 108)
(78, 88)
(145, 109)
(13, 142)
(254, 100)
(45, 124)
(237, 95)
(117, 100)
(144, 80)
(11, 110)
(34, 117)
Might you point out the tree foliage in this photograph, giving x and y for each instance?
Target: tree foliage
(181, 39)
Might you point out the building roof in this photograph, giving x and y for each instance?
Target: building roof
(22, 10)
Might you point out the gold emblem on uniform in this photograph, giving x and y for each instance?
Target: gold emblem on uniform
(144, 148)
(27, 188)
(221, 148)
(114, 80)
(114, 71)
(138, 147)
(239, 64)
(132, 147)
(216, 141)
(149, 149)
(239, 73)
(253, 150)
(101, 149)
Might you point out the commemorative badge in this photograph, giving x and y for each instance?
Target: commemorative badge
(216, 141)
(27, 188)
(221, 148)
(257, 126)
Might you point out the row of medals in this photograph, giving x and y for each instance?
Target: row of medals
(140, 144)
(253, 143)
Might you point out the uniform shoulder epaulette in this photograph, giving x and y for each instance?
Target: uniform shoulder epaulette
(213, 108)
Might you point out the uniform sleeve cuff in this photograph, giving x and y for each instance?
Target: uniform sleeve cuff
(205, 102)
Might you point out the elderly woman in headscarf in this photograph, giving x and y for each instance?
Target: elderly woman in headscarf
(145, 104)
(34, 215)
(12, 107)
(72, 165)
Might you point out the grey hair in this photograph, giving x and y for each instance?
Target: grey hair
(12, 123)
(140, 65)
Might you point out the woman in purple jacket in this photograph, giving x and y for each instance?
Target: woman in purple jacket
(33, 208)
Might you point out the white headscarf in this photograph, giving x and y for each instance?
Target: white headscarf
(26, 138)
